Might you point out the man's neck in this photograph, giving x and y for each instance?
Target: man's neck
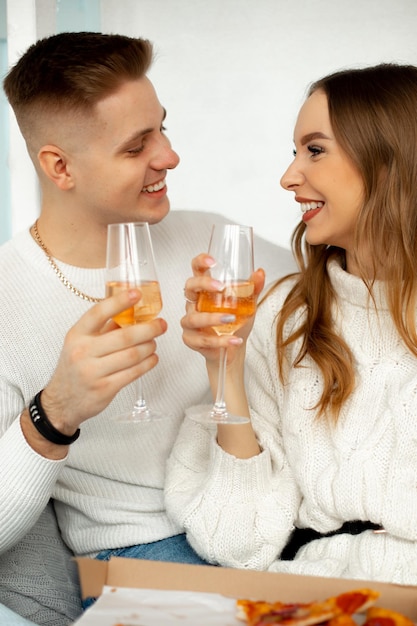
(79, 245)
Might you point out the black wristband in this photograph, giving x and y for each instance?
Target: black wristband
(44, 426)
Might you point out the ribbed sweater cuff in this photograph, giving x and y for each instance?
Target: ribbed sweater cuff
(250, 478)
(27, 472)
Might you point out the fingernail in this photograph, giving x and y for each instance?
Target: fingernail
(228, 319)
(133, 294)
(216, 284)
(209, 261)
(235, 341)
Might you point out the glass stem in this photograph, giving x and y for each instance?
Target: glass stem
(140, 408)
(219, 410)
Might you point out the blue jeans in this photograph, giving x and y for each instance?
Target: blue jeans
(174, 549)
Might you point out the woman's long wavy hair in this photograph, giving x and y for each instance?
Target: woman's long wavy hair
(373, 114)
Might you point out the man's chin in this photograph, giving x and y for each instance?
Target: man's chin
(154, 215)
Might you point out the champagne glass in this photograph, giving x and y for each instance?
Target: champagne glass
(231, 246)
(130, 264)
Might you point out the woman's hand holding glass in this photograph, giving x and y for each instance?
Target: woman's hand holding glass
(227, 283)
(198, 333)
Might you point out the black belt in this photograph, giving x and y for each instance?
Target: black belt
(301, 536)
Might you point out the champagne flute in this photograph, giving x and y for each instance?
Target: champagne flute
(130, 264)
(231, 246)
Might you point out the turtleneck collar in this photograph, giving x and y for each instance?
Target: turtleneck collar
(353, 290)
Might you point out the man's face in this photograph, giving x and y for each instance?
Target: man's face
(120, 169)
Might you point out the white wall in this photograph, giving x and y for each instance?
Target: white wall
(232, 74)
(24, 194)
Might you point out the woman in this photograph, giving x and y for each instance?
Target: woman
(323, 480)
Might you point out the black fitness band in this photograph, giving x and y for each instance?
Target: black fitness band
(44, 426)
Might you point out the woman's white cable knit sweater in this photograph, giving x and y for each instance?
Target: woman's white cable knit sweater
(311, 474)
(109, 490)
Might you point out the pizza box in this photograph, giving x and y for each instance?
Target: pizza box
(233, 583)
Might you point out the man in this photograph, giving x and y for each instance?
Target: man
(94, 130)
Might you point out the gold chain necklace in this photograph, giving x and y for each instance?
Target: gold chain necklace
(58, 272)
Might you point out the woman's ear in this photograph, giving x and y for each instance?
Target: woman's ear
(54, 164)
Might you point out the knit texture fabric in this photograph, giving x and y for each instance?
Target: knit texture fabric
(108, 492)
(310, 473)
(10, 618)
(38, 578)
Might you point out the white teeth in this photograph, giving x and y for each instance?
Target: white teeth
(155, 187)
(308, 206)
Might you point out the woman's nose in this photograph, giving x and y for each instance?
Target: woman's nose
(292, 177)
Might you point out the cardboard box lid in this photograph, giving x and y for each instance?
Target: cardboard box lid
(236, 583)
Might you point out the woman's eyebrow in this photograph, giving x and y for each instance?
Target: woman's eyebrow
(310, 136)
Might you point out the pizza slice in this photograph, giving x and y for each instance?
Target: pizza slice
(357, 601)
(260, 613)
(377, 616)
(342, 620)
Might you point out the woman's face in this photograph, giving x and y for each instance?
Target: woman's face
(326, 184)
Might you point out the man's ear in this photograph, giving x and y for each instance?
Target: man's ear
(54, 164)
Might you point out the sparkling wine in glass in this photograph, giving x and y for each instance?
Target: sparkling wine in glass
(130, 264)
(231, 245)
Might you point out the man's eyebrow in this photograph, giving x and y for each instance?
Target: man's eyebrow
(137, 136)
(310, 136)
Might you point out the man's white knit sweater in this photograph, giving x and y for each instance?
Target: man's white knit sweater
(109, 490)
(311, 474)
